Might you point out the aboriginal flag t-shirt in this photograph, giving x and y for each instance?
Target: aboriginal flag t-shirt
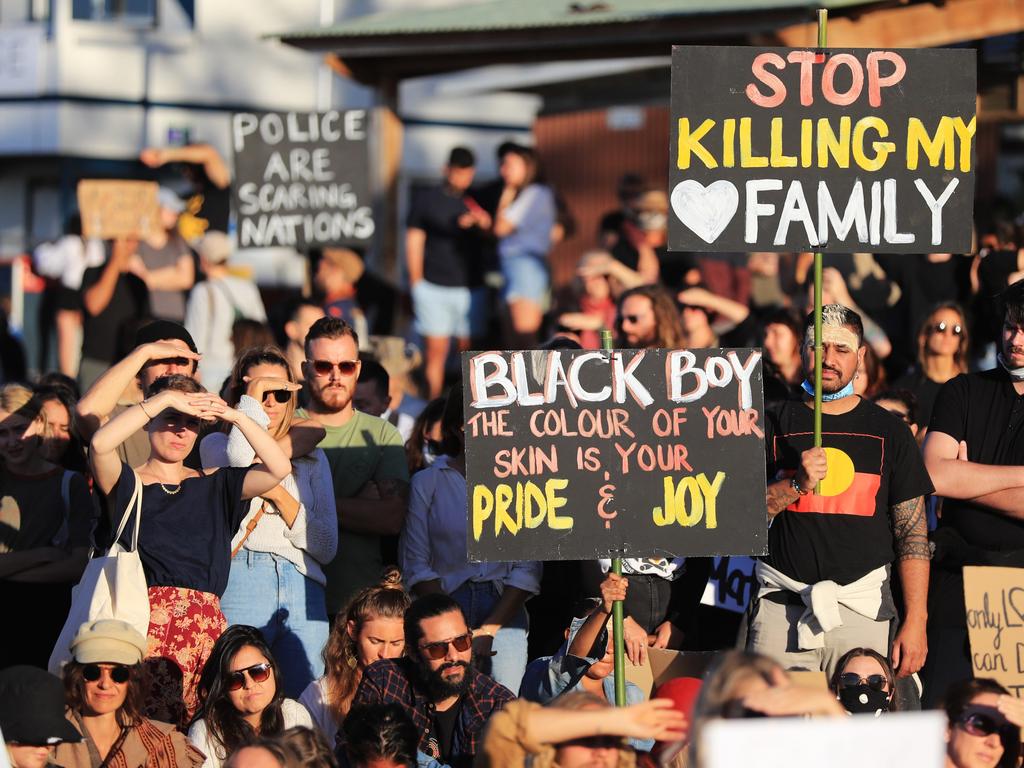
(843, 530)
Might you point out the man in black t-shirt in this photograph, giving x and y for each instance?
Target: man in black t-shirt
(841, 515)
(975, 454)
(114, 302)
(443, 255)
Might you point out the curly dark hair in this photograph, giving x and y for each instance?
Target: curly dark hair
(129, 714)
(225, 725)
(380, 731)
(668, 324)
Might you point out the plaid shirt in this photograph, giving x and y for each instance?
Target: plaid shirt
(391, 680)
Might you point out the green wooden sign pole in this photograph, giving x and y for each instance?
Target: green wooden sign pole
(617, 631)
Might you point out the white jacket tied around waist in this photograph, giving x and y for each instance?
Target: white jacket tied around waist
(863, 596)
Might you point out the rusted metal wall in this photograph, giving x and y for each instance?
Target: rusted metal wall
(585, 153)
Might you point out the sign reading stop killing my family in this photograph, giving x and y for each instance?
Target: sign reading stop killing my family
(302, 178)
(845, 150)
(575, 454)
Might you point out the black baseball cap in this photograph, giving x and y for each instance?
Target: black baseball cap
(32, 708)
(159, 330)
(461, 157)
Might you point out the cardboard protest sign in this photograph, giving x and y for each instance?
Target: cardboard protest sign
(897, 740)
(994, 599)
(113, 208)
(847, 150)
(302, 179)
(731, 584)
(642, 453)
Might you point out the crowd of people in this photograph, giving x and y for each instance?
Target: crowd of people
(294, 483)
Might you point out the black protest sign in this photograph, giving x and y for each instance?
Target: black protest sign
(640, 453)
(302, 178)
(847, 150)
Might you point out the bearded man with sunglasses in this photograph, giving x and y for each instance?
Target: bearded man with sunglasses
(367, 459)
(975, 455)
(449, 701)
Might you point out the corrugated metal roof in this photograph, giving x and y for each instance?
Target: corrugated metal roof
(539, 14)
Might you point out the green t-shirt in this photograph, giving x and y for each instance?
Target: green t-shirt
(364, 449)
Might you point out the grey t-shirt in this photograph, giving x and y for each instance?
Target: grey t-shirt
(166, 305)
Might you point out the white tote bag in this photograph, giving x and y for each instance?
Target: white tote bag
(113, 586)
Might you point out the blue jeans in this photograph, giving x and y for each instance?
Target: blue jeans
(507, 666)
(268, 592)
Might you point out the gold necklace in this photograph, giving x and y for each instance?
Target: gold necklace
(170, 493)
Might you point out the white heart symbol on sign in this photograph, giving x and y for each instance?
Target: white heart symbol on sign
(708, 210)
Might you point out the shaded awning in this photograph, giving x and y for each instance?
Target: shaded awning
(397, 45)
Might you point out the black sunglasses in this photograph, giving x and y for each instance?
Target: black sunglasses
(281, 395)
(439, 649)
(632, 319)
(178, 362)
(852, 680)
(324, 367)
(258, 673)
(594, 742)
(941, 328)
(979, 724)
(119, 673)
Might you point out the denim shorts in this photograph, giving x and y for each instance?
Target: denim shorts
(526, 277)
(446, 311)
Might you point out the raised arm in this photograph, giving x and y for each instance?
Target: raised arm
(97, 404)
(275, 466)
(198, 154)
(103, 458)
(612, 588)
(730, 310)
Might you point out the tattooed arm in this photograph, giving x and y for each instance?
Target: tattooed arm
(780, 496)
(910, 531)
(379, 508)
(812, 470)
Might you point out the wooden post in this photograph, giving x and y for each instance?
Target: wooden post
(389, 160)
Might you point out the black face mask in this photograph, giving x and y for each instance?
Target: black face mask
(861, 699)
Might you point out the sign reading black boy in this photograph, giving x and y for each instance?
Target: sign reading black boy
(640, 453)
(845, 150)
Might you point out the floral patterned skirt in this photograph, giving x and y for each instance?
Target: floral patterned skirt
(183, 626)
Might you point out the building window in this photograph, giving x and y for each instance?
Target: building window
(134, 11)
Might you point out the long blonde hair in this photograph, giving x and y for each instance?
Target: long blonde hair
(386, 600)
(19, 400)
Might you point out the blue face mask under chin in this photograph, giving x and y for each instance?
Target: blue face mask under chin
(828, 396)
